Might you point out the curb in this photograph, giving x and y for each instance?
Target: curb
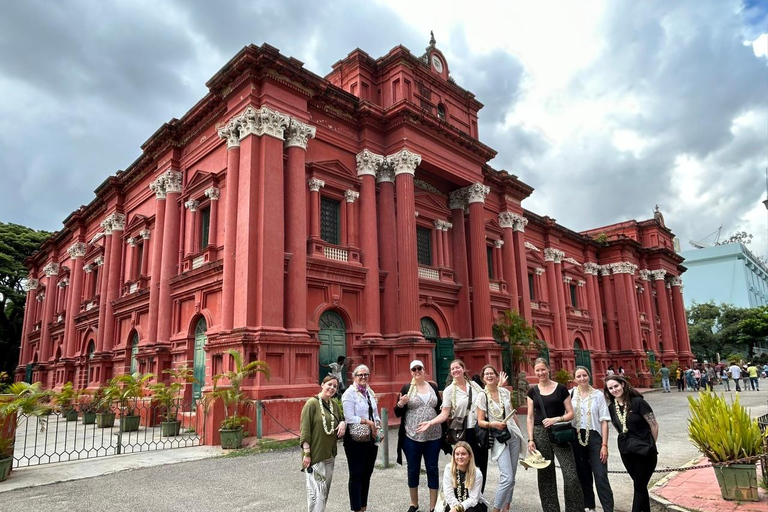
(659, 504)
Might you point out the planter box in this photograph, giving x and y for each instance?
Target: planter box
(738, 482)
(89, 418)
(231, 439)
(5, 468)
(105, 419)
(70, 415)
(170, 428)
(130, 423)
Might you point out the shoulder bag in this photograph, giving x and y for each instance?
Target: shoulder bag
(633, 444)
(457, 426)
(358, 431)
(561, 432)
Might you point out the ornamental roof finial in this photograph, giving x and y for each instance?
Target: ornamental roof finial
(432, 41)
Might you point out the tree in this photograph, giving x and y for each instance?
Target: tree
(516, 338)
(754, 327)
(16, 244)
(725, 329)
(739, 236)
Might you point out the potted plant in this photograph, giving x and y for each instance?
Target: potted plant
(103, 399)
(233, 399)
(6, 459)
(66, 399)
(731, 439)
(129, 388)
(169, 398)
(28, 399)
(88, 407)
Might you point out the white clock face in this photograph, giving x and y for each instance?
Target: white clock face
(437, 64)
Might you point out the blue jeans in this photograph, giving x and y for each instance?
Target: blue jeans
(665, 383)
(507, 472)
(414, 451)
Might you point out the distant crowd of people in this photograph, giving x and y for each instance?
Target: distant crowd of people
(707, 376)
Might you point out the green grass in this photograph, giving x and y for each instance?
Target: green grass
(264, 446)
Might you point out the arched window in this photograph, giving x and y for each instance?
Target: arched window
(441, 111)
(429, 328)
(134, 351)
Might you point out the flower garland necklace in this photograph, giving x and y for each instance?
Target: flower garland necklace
(589, 416)
(322, 414)
(462, 493)
(622, 411)
(496, 409)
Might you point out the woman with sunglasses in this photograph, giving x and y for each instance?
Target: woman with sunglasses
(419, 402)
(363, 425)
(322, 422)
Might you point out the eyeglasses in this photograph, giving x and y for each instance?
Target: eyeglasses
(363, 375)
(417, 369)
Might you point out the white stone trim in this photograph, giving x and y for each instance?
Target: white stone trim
(76, 250)
(297, 134)
(368, 163)
(554, 255)
(351, 196)
(658, 275)
(30, 284)
(192, 205)
(530, 246)
(315, 184)
(51, 269)
(404, 162)
(212, 193)
(477, 192)
(498, 243)
(591, 268)
(624, 267)
(538, 271)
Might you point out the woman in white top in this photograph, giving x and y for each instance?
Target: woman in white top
(494, 406)
(590, 450)
(457, 404)
(462, 482)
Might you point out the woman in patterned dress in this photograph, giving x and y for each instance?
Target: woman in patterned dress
(322, 423)
(419, 402)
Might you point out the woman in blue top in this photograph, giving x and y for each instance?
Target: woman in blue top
(362, 415)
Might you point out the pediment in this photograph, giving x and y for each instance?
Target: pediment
(137, 221)
(437, 205)
(200, 178)
(333, 170)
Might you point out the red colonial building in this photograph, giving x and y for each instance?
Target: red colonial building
(297, 218)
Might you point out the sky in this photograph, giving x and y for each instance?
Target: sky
(605, 108)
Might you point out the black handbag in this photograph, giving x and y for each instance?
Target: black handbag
(560, 433)
(633, 445)
(482, 437)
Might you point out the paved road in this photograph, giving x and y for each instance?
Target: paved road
(272, 482)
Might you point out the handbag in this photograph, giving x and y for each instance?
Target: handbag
(561, 432)
(359, 432)
(440, 505)
(482, 437)
(633, 445)
(457, 428)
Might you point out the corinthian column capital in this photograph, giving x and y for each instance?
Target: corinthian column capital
(590, 268)
(172, 180)
(645, 275)
(192, 205)
(624, 267)
(315, 184)
(554, 255)
(476, 193)
(113, 222)
(404, 162)
(30, 284)
(51, 269)
(212, 193)
(297, 134)
(676, 281)
(658, 275)
(457, 200)
(263, 121)
(231, 132)
(351, 196)
(76, 250)
(368, 163)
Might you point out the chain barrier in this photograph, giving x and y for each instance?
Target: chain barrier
(745, 460)
(285, 429)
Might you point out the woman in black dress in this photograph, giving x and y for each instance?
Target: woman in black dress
(638, 431)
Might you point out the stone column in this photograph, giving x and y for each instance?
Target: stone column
(76, 253)
(506, 221)
(351, 196)
(144, 234)
(645, 277)
(521, 265)
(388, 242)
(457, 202)
(367, 165)
(296, 232)
(103, 285)
(482, 319)
(498, 245)
(404, 165)
(51, 270)
(158, 187)
(626, 271)
(610, 309)
(212, 193)
(446, 248)
(190, 234)
(114, 224)
(439, 243)
(683, 348)
(230, 132)
(663, 300)
(595, 312)
(169, 267)
(553, 285)
(314, 207)
(29, 319)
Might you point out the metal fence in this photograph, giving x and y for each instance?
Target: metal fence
(125, 428)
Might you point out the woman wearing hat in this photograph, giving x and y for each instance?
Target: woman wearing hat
(460, 400)
(462, 482)
(419, 403)
(590, 450)
(363, 424)
(548, 403)
(322, 422)
(638, 431)
(493, 408)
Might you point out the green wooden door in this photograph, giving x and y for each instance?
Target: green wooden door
(134, 352)
(28, 373)
(443, 357)
(199, 359)
(651, 356)
(583, 358)
(333, 341)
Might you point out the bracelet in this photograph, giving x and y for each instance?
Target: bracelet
(305, 454)
(604, 445)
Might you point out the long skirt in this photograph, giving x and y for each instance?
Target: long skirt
(319, 477)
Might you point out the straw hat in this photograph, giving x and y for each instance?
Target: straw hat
(535, 460)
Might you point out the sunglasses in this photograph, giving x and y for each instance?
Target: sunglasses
(417, 369)
(363, 375)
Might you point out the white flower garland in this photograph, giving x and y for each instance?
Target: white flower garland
(577, 411)
(322, 414)
(622, 416)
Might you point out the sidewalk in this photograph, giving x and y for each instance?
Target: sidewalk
(697, 490)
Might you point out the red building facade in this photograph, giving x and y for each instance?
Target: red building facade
(298, 218)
